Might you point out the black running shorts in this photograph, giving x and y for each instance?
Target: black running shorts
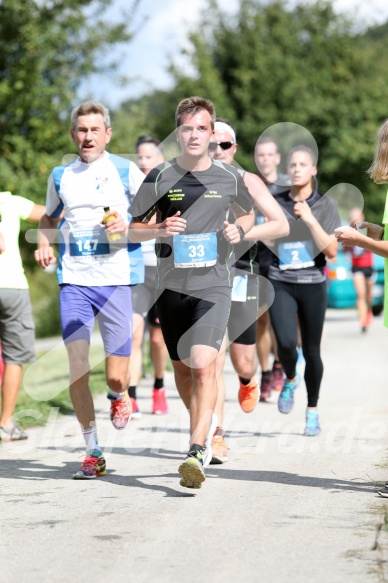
(192, 318)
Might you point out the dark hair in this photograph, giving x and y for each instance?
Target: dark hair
(267, 140)
(193, 105)
(303, 148)
(147, 139)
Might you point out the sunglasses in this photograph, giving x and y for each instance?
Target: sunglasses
(223, 145)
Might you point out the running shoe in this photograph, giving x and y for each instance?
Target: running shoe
(265, 386)
(384, 491)
(120, 411)
(312, 423)
(219, 447)
(159, 402)
(93, 466)
(286, 397)
(191, 470)
(248, 396)
(13, 433)
(136, 413)
(208, 446)
(277, 377)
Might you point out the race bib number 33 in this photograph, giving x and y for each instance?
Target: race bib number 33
(88, 243)
(196, 250)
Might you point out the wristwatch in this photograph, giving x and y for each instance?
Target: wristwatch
(241, 231)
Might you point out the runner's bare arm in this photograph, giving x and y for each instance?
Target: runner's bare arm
(235, 232)
(351, 237)
(47, 230)
(276, 224)
(139, 231)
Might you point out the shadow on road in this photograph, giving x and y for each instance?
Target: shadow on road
(34, 470)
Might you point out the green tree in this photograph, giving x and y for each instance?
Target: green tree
(46, 49)
(272, 63)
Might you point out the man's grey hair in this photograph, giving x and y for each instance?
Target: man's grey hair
(87, 108)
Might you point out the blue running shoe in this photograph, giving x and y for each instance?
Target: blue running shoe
(286, 397)
(312, 423)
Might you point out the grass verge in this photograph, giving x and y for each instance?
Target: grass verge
(46, 385)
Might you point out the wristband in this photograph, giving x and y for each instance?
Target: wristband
(241, 232)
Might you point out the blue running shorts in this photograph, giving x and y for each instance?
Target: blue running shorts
(112, 305)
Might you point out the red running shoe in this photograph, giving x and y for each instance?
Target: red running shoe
(136, 413)
(159, 402)
(93, 466)
(120, 411)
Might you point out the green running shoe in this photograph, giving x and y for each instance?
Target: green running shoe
(191, 470)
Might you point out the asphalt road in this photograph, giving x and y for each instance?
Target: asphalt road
(285, 508)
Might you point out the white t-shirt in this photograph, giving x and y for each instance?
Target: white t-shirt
(86, 257)
(149, 255)
(12, 209)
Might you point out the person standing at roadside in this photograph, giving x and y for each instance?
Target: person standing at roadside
(376, 239)
(17, 330)
(297, 274)
(94, 271)
(191, 196)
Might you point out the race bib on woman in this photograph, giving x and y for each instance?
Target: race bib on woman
(296, 255)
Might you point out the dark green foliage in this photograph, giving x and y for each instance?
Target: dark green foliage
(46, 50)
(272, 63)
(44, 292)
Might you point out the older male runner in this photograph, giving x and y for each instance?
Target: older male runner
(95, 271)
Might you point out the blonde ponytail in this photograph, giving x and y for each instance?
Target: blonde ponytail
(379, 168)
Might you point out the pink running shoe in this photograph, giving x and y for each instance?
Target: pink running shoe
(265, 386)
(159, 402)
(136, 413)
(278, 377)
